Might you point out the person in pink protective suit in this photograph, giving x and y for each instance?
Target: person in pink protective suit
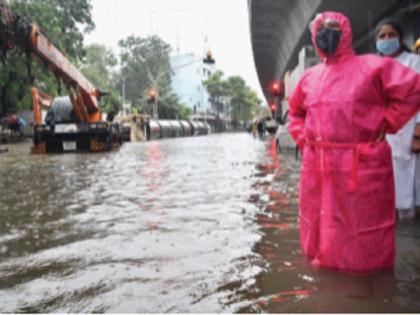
(339, 113)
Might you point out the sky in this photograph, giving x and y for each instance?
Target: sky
(187, 25)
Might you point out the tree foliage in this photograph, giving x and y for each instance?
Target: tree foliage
(64, 23)
(217, 89)
(232, 96)
(99, 67)
(145, 64)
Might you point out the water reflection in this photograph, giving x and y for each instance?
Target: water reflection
(289, 283)
(182, 225)
(156, 227)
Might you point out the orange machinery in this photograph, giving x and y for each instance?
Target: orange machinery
(87, 133)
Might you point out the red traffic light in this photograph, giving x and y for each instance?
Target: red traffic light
(277, 89)
(209, 58)
(152, 96)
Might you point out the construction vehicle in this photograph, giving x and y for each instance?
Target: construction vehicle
(134, 126)
(82, 131)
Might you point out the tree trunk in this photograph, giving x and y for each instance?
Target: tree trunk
(3, 89)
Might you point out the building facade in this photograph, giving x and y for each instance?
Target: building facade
(188, 73)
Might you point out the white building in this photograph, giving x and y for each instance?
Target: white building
(189, 72)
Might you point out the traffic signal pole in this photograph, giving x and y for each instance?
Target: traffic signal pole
(279, 111)
(277, 90)
(155, 111)
(152, 100)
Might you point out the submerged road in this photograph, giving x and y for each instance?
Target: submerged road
(205, 224)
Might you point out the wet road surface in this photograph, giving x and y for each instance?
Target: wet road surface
(205, 224)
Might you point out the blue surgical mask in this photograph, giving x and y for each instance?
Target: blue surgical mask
(388, 47)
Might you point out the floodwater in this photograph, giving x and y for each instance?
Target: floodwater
(204, 225)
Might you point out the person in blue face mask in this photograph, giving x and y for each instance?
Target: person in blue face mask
(390, 39)
(405, 143)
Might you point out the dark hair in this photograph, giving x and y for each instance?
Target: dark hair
(397, 27)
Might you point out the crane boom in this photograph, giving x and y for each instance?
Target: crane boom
(17, 32)
(85, 131)
(61, 66)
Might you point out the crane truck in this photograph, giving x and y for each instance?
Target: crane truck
(74, 123)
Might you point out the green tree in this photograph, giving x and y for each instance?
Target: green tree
(64, 23)
(184, 112)
(145, 64)
(217, 89)
(251, 105)
(243, 101)
(99, 67)
(167, 104)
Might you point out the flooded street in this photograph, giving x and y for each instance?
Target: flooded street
(202, 224)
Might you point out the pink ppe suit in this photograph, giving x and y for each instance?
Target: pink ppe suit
(339, 111)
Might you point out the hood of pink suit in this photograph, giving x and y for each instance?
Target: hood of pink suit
(345, 46)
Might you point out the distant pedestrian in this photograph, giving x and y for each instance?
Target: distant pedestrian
(405, 143)
(14, 123)
(339, 112)
(111, 115)
(254, 128)
(22, 125)
(261, 128)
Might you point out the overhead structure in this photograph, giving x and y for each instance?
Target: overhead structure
(279, 29)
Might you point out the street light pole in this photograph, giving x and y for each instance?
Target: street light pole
(123, 92)
(155, 111)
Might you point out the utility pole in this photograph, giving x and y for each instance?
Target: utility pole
(155, 111)
(123, 92)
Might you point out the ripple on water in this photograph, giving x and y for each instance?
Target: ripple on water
(158, 221)
(204, 224)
